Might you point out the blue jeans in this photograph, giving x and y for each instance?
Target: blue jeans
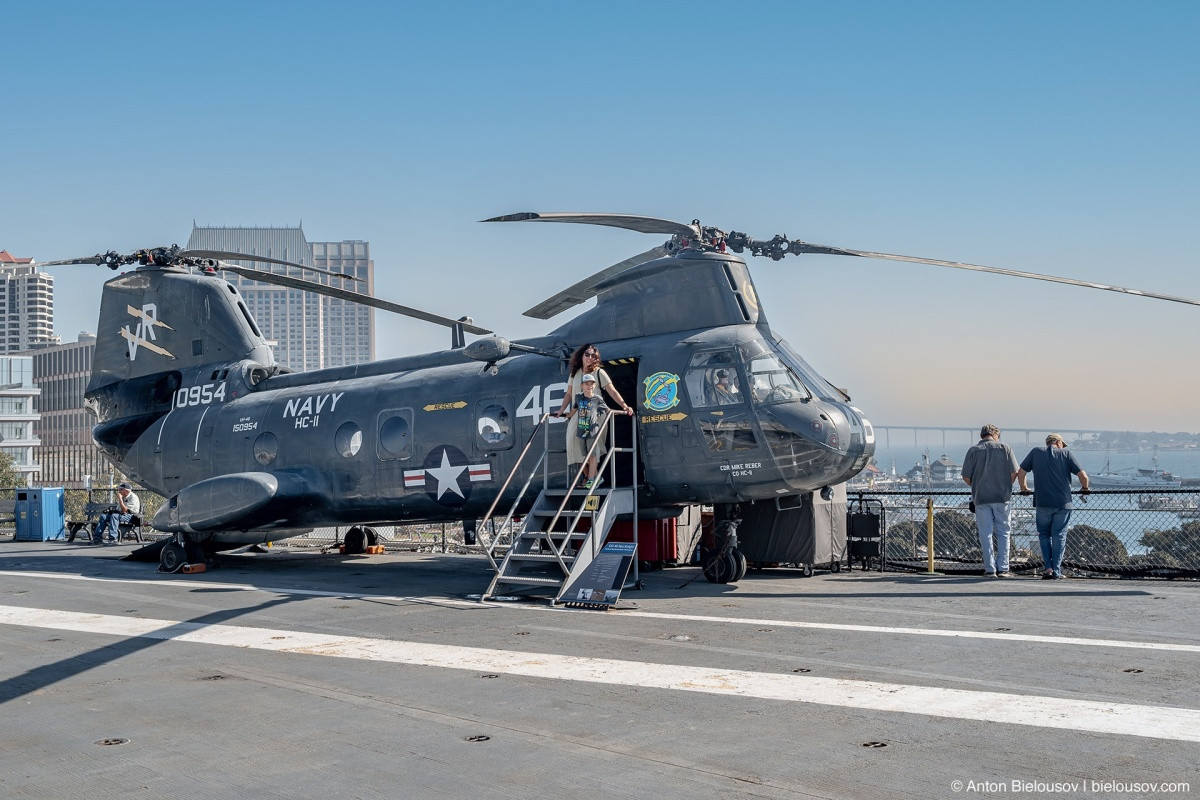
(109, 526)
(1052, 535)
(993, 518)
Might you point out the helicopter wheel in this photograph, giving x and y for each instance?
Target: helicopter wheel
(355, 541)
(723, 567)
(172, 557)
(372, 536)
(742, 566)
(807, 570)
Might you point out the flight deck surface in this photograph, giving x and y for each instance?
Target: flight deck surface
(293, 674)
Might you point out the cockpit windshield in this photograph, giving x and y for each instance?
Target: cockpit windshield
(811, 378)
(771, 380)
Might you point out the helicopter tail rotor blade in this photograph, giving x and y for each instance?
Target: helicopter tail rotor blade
(224, 255)
(354, 297)
(803, 247)
(586, 289)
(630, 222)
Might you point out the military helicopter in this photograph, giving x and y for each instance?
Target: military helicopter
(190, 402)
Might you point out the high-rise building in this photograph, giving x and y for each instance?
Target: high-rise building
(66, 453)
(26, 304)
(18, 414)
(308, 331)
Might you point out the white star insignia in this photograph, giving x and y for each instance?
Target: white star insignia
(447, 476)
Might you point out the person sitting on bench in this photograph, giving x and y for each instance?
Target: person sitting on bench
(128, 505)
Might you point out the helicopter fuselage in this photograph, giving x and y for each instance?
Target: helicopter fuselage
(726, 413)
(436, 442)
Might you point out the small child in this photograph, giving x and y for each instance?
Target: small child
(589, 410)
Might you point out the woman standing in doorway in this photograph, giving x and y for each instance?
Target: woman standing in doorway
(586, 361)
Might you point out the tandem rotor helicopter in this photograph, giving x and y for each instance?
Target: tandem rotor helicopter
(190, 403)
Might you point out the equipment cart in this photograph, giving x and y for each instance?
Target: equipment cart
(865, 526)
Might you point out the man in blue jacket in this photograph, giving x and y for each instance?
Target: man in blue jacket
(1053, 466)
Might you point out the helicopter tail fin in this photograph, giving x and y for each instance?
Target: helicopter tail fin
(156, 324)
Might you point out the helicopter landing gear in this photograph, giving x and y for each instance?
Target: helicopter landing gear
(729, 567)
(725, 563)
(742, 566)
(172, 557)
(358, 539)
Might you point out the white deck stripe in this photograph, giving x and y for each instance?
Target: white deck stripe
(1157, 722)
(1012, 637)
(758, 623)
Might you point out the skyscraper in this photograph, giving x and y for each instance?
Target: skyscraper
(26, 304)
(66, 452)
(308, 331)
(18, 414)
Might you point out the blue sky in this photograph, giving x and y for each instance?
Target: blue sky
(1049, 137)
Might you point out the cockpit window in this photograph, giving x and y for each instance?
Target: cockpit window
(712, 380)
(811, 378)
(771, 381)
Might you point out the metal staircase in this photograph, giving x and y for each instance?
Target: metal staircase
(564, 529)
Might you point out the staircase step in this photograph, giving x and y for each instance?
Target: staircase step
(557, 536)
(507, 579)
(567, 558)
(560, 493)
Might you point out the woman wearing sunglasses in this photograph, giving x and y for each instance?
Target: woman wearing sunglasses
(586, 361)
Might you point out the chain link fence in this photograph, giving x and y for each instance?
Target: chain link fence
(441, 537)
(1149, 533)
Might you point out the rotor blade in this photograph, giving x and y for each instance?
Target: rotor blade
(224, 255)
(627, 221)
(804, 247)
(586, 289)
(96, 259)
(346, 294)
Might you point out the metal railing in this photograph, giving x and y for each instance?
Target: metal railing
(1146, 533)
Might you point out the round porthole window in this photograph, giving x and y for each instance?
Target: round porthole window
(394, 435)
(348, 439)
(266, 447)
(495, 426)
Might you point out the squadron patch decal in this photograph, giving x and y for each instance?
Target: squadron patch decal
(446, 476)
(662, 391)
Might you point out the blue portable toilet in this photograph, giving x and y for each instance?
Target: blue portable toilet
(40, 515)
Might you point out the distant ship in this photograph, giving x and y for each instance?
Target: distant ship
(1135, 480)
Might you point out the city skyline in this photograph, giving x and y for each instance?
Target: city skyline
(1049, 139)
(308, 331)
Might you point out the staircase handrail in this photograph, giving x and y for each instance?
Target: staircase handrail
(490, 550)
(559, 548)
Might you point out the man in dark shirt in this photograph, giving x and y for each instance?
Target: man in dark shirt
(1053, 466)
(989, 469)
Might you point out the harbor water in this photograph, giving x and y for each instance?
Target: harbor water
(1113, 512)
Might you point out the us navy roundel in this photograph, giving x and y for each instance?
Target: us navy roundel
(446, 476)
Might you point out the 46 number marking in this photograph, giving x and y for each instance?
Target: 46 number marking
(540, 401)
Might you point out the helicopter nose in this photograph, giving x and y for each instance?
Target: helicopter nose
(818, 443)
